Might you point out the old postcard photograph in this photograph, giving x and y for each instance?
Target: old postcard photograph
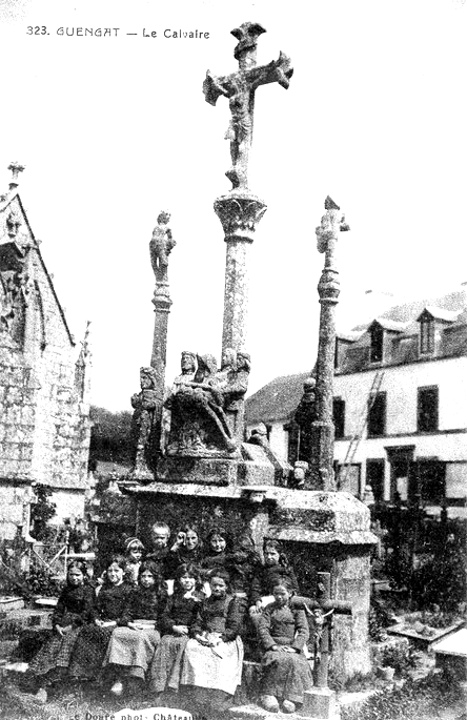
(233, 342)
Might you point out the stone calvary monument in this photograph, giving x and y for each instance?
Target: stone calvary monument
(192, 463)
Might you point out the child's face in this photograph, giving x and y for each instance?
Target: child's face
(271, 555)
(187, 582)
(114, 574)
(135, 553)
(281, 595)
(75, 577)
(218, 586)
(147, 579)
(245, 543)
(218, 543)
(191, 540)
(160, 538)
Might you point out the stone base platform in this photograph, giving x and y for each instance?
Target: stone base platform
(251, 465)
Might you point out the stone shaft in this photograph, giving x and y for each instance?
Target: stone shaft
(239, 213)
(322, 433)
(162, 305)
(235, 296)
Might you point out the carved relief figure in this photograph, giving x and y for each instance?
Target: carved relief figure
(13, 305)
(160, 247)
(171, 421)
(144, 422)
(199, 424)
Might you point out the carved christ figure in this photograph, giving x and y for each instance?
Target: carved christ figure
(160, 247)
(240, 89)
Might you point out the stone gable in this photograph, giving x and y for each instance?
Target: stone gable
(44, 387)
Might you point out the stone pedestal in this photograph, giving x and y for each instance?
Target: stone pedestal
(321, 532)
(330, 532)
(320, 703)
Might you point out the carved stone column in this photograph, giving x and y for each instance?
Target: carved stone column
(239, 213)
(322, 433)
(162, 304)
(160, 247)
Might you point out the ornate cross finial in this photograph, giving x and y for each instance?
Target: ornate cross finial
(240, 89)
(15, 168)
(331, 223)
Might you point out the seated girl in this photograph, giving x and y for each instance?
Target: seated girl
(133, 643)
(276, 567)
(73, 610)
(283, 632)
(243, 564)
(112, 602)
(178, 616)
(212, 662)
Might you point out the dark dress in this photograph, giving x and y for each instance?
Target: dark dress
(74, 609)
(134, 649)
(165, 668)
(216, 561)
(91, 645)
(243, 566)
(164, 561)
(270, 575)
(285, 675)
(182, 556)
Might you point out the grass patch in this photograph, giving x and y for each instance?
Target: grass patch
(425, 699)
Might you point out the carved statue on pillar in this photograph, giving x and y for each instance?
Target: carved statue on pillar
(160, 247)
(146, 423)
(305, 414)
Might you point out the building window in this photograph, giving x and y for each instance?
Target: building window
(427, 409)
(375, 477)
(376, 348)
(428, 481)
(377, 415)
(427, 335)
(338, 415)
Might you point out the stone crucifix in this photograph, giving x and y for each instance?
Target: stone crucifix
(240, 89)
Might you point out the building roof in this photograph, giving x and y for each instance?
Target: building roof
(276, 400)
(279, 399)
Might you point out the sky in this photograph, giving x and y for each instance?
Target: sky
(114, 129)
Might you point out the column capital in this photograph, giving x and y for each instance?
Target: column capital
(239, 213)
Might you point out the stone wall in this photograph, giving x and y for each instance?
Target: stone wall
(44, 395)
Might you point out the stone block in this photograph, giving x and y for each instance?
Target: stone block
(320, 703)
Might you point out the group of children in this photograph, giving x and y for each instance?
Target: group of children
(176, 617)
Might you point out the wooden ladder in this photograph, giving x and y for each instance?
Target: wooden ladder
(362, 423)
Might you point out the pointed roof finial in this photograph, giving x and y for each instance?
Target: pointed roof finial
(15, 168)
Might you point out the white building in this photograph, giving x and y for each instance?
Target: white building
(400, 404)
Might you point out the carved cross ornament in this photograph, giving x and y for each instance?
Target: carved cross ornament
(15, 168)
(240, 89)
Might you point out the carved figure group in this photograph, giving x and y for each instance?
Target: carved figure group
(204, 403)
